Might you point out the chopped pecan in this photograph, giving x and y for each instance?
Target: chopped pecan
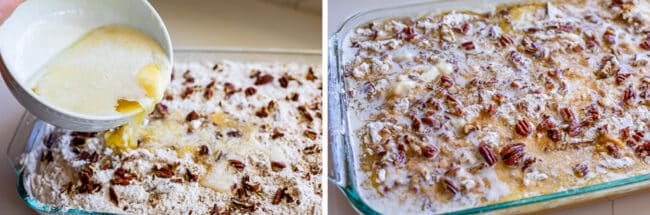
(215, 210)
(567, 114)
(276, 134)
(278, 196)
(505, 40)
(469, 128)
(645, 43)
(554, 135)
(643, 150)
(204, 150)
(277, 166)
(581, 170)
(546, 124)
(192, 116)
(415, 123)
(490, 110)
(486, 151)
(187, 92)
(574, 129)
(311, 76)
(191, 177)
(188, 77)
(628, 95)
(512, 153)
(262, 113)
(469, 45)
(263, 79)
(166, 171)
(621, 77)
(229, 89)
(613, 150)
(250, 91)
(284, 81)
(523, 127)
(159, 112)
(237, 164)
(446, 81)
(310, 134)
(113, 196)
(429, 151)
(609, 36)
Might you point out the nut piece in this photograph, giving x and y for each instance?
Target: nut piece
(237, 164)
(581, 170)
(277, 166)
(204, 150)
(643, 150)
(263, 79)
(429, 151)
(487, 153)
(567, 114)
(554, 135)
(278, 196)
(512, 154)
(250, 91)
(192, 116)
(450, 185)
(114, 197)
(523, 127)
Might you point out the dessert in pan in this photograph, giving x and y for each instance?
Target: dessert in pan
(460, 109)
(228, 137)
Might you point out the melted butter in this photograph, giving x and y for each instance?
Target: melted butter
(113, 70)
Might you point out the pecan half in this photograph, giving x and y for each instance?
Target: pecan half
(523, 127)
(512, 153)
(450, 185)
(487, 153)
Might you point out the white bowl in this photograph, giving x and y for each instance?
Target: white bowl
(40, 29)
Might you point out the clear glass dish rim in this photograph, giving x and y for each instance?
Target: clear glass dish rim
(29, 123)
(335, 76)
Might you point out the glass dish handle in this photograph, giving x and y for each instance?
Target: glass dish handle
(337, 164)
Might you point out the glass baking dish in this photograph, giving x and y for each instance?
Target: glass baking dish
(343, 160)
(30, 130)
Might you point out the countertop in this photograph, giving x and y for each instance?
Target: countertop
(192, 23)
(634, 204)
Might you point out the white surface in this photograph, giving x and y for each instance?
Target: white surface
(339, 10)
(192, 23)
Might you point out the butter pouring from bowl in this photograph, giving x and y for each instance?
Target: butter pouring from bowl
(39, 31)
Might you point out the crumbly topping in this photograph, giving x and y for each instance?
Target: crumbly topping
(461, 109)
(229, 137)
